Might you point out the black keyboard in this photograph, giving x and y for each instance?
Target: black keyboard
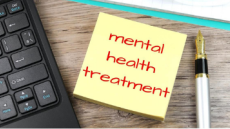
(26, 85)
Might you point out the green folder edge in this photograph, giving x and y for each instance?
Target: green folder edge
(187, 19)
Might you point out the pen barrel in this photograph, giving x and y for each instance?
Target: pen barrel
(203, 102)
(202, 94)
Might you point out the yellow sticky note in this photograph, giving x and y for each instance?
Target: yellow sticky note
(130, 66)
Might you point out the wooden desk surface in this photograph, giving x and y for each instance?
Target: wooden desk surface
(69, 28)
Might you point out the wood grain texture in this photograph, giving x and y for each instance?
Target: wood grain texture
(69, 28)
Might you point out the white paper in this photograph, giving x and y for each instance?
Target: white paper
(218, 12)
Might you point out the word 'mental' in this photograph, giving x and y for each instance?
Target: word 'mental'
(132, 42)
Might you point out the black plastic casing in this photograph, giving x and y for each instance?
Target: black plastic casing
(60, 115)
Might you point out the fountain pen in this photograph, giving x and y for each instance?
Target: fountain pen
(202, 84)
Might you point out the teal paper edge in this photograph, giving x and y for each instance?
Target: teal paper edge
(187, 19)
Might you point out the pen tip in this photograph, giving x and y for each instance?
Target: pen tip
(200, 43)
(199, 35)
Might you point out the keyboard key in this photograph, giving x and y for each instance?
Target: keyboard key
(17, 22)
(7, 109)
(15, 7)
(27, 76)
(3, 87)
(2, 32)
(0, 51)
(23, 95)
(28, 38)
(2, 12)
(11, 43)
(45, 93)
(27, 106)
(26, 57)
(4, 66)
